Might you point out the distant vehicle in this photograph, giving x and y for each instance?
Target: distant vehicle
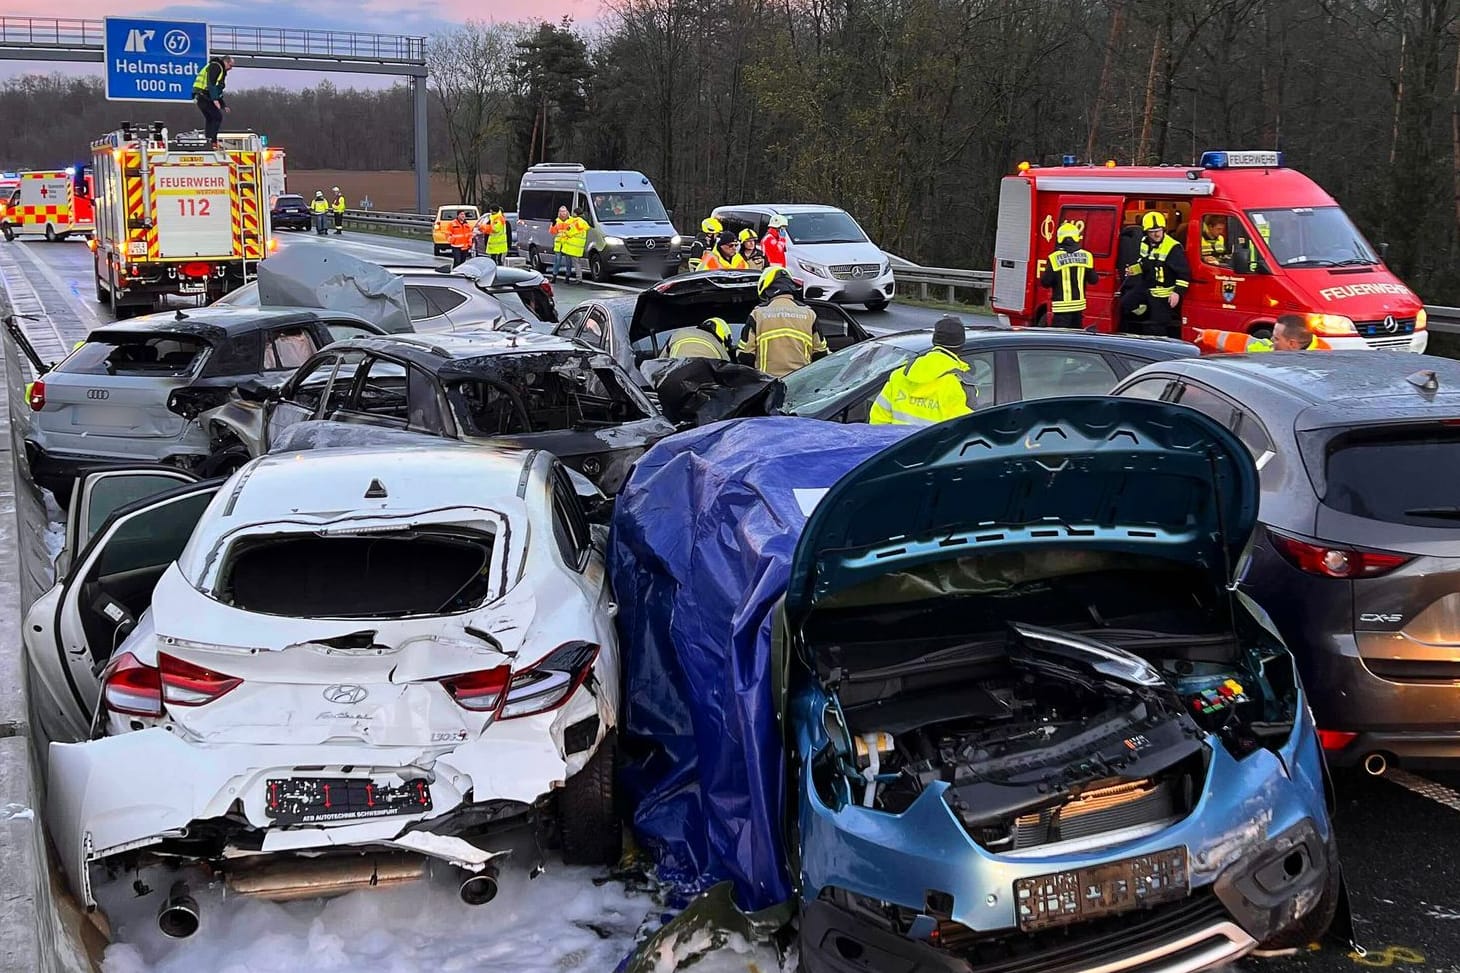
(444, 216)
(428, 668)
(290, 212)
(52, 204)
(454, 299)
(1261, 239)
(513, 388)
(132, 390)
(826, 249)
(1005, 365)
(635, 329)
(628, 227)
(1357, 559)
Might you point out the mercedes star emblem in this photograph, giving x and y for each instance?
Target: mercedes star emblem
(1391, 325)
(857, 272)
(650, 244)
(345, 695)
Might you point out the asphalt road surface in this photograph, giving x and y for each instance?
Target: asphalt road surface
(1399, 836)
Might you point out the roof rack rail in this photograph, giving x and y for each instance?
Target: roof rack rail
(557, 167)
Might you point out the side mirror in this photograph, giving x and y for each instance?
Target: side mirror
(254, 390)
(1383, 251)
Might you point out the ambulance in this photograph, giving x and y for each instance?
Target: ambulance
(1262, 240)
(174, 216)
(53, 204)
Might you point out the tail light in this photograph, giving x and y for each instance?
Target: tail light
(550, 683)
(547, 288)
(196, 268)
(36, 396)
(128, 686)
(1335, 739)
(91, 243)
(1315, 557)
(480, 692)
(185, 684)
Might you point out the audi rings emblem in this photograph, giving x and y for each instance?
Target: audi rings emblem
(1391, 325)
(345, 695)
(650, 244)
(97, 394)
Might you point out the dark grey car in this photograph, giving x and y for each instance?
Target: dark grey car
(1358, 558)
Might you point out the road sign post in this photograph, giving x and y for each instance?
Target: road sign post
(153, 60)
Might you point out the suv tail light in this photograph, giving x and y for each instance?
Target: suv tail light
(549, 683)
(36, 396)
(547, 288)
(480, 692)
(1335, 739)
(185, 684)
(1315, 557)
(128, 686)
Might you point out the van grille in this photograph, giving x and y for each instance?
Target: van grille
(639, 246)
(855, 271)
(1388, 341)
(1376, 329)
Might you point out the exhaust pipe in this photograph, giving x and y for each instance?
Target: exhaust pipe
(285, 880)
(178, 917)
(1375, 764)
(480, 888)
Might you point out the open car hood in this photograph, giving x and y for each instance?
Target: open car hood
(688, 299)
(1084, 473)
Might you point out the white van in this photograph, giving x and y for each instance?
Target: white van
(825, 249)
(628, 228)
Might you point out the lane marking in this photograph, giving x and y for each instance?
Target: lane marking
(1438, 793)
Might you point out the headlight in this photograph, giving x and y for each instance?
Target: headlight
(614, 241)
(886, 268)
(815, 270)
(1332, 325)
(1421, 320)
(676, 240)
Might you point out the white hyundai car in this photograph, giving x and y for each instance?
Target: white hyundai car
(329, 671)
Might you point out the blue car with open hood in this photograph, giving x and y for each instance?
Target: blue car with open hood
(999, 708)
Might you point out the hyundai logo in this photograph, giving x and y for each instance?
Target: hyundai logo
(1391, 325)
(345, 695)
(650, 244)
(97, 393)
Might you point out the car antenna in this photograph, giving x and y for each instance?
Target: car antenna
(1425, 380)
(180, 315)
(376, 491)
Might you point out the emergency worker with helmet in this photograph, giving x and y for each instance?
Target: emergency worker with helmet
(773, 244)
(709, 339)
(781, 335)
(1161, 275)
(1069, 269)
(710, 229)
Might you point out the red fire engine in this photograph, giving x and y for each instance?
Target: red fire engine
(1262, 240)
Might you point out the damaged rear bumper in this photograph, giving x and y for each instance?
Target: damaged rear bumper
(130, 792)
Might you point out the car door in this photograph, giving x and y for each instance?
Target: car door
(73, 630)
(1043, 372)
(837, 326)
(97, 494)
(317, 390)
(569, 326)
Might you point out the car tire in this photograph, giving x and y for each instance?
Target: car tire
(223, 462)
(50, 233)
(1311, 927)
(875, 306)
(533, 261)
(9, 233)
(588, 811)
(596, 269)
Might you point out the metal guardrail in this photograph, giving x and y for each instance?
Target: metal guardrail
(409, 222)
(1445, 320)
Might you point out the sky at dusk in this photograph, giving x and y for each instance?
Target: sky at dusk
(369, 16)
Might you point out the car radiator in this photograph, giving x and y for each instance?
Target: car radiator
(1096, 811)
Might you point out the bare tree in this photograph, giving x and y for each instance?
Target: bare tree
(471, 71)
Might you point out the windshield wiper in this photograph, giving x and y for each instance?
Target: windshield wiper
(1356, 262)
(1444, 513)
(1310, 262)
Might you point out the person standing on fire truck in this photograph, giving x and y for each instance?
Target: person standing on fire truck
(1165, 274)
(208, 94)
(1070, 269)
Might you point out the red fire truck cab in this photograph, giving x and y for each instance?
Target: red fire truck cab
(1262, 240)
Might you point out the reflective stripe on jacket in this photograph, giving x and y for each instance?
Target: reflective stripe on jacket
(1070, 271)
(1213, 342)
(319, 205)
(575, 238)
(694, 343)
(923, 392)
(339, 204)
(782, 336)
(458, 235)
(1164, 267)
(560, 230)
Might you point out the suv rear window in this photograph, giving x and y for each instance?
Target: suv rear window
(1396, 474)
(160, 354)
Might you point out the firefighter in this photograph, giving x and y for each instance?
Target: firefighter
(748, 256)
(927, 390)
(773, 244)
(560, 230)
(320, 207)
(1164, 275)
(1213, 242)
(1290, 333)
(710, 229)
(496, 235)
(781, 335)
(458, 235)
(722, 255)
(339, 206)
(709, 339)
(1070, 270)
(208, 94)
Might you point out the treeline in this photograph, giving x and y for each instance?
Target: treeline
(906, 112)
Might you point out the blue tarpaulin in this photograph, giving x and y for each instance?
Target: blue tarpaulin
(703, 534)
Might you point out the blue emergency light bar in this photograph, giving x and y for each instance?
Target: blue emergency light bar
(1069, 160)
(1242, 160)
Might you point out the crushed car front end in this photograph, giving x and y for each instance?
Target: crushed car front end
(1034, 726)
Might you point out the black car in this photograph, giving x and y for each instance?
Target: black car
(289, 212)
(636, 329)
(1005, 365)
(515, 388)
(1357, 559)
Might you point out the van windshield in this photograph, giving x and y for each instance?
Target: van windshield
(832, 226)
(1312, 236)
(629, 207)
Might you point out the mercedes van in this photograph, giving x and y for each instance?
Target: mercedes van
(628, 227)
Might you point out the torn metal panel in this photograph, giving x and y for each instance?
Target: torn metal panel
(310, 275)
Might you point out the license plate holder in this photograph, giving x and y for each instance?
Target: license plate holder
(1061, 898)
(311, 800)
(192, 286)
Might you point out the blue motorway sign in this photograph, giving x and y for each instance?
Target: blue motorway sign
(153, 60)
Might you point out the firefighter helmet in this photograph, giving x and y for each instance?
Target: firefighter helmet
(747, 234)
(1068, 231)
(775, 281)
(710, 225)
(778, 222)
(717, 327)
(1153, 220)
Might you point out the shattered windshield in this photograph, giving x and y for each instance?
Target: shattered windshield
(1312, 236)
(541, 393)
(823, 382)
(629, 207)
